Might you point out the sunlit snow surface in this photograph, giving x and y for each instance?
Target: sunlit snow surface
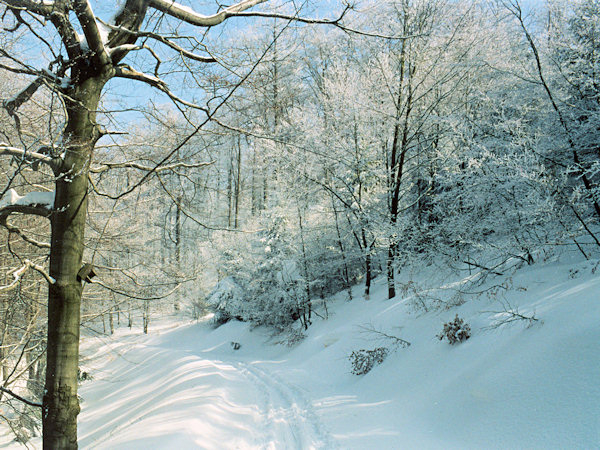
(538, 387)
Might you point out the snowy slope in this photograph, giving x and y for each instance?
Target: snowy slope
(508, 387)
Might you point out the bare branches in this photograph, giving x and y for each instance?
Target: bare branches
(381, 335)
(134, 297)
(331, 22)
(161, 39)
(18, 274)
(18, 397)
(6, 149)
(510, 314)
(14, 230)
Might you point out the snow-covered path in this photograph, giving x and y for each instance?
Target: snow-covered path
(166, 391)
(289, 417)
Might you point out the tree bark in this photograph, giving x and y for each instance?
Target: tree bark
(60, 402)
(368, 272)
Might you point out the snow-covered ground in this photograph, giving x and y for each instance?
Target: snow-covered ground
(510, 386)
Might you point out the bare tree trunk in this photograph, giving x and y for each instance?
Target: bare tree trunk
(390, 271)
(111, 322)
(308, 303)
(60, 403)
(346, 272)
(238, 181)
(3, 337)
(254, 193)
(129, 318)
(368, 270)
(230, 191)
(176, 303)
(146, 317)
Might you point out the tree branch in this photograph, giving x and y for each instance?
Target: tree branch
(18, 274)
(86, 18)
(161, 39)
(190, 16)
(15, 103)
(132, 165)
(12, 229)
(332, 22)
(18, 397)
(43, 8)
(6, 149)
(134, 297)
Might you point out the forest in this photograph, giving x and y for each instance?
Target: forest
(256, 161)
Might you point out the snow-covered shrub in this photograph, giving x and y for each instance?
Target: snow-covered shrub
(455, 331)
(225, 301)
(291, 337)
(263, 283)
(362, 360)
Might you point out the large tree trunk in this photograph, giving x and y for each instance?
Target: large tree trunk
(60, 403)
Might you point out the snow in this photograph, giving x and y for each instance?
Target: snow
(508, 386)
(289, 272)
(174, 6)
(64, 82)
(83, 43)
(11, 198)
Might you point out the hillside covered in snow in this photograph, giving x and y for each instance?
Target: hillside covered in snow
(527, 377)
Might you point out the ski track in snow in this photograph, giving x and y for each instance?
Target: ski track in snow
(289, 418)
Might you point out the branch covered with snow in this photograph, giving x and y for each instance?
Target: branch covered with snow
(17, 274)
(41, 7)
(35, 203)
(132, 165)
(190, 16)
(155, 82)
(6, 149)
(93, 37)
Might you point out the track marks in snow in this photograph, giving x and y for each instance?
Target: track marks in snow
(289, 420)
(168, 396)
